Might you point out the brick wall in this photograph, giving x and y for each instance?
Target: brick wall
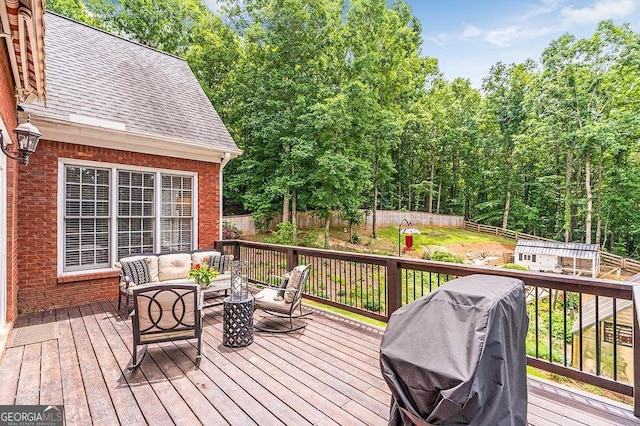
(9, 117)
(40, 286)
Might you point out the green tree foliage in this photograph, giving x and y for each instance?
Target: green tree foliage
(337, 109)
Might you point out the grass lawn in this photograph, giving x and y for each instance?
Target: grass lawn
(458, 241)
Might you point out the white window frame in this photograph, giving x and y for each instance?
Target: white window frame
(113, 244)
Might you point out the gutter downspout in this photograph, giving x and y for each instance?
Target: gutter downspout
(223, 162)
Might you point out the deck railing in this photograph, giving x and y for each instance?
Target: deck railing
(584, 329)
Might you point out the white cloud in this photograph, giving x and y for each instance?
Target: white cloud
(470, 31)
(602, 9)
(540, 19)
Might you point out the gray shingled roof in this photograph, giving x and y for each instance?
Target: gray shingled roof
(91, 73)
(577, 250)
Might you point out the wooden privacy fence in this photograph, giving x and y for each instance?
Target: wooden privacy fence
(608, 259)
(578, 327)
(308, 220)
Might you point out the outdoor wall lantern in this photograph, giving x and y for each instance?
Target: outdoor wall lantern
(28, 137)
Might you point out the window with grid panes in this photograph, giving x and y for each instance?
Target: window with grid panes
(136, 215)
(150, 211)
(176, 221)
(86, 218)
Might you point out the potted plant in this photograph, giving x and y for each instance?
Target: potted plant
(203, 274)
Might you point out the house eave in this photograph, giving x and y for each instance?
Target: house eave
(81, 134)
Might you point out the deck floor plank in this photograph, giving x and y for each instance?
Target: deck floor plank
(290, 396)
(163, 386)
(318, 374)
(145, 398)
(327, 374)
(128, 413)
(76, 407)
(51, 377)
(10, 374)
(323, 397)
(98, 397)
(28, 392)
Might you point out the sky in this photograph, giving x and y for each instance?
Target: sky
(469, 36)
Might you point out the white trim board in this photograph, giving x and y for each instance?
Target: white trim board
(101, 137)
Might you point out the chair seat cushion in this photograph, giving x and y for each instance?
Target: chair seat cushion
(154, 337)
(267, 299)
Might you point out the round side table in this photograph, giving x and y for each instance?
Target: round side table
(237, 322)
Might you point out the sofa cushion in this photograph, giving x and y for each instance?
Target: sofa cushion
(152, 263)
(137, 271)
(203, 257)
(174, 266)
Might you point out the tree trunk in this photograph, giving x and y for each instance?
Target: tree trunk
(439, 192)
(375, 198)
(285, 207)
(599, 197)
(326, 231)
(294, 214)
(410, 199)
(433, 170)
(587, 185)
(507, 207)
(567, 196)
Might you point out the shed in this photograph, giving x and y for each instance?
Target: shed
(552, 256)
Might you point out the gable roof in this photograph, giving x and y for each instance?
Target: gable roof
(577, 250)
(98, 80)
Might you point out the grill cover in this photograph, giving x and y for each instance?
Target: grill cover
(457, 355)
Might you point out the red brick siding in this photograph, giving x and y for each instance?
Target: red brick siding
(40, 287)
(9, 117)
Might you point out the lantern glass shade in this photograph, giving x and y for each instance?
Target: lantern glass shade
(239, 280)
(28, 137)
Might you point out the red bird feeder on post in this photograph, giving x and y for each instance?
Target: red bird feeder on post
(408, 242)
(408, 237)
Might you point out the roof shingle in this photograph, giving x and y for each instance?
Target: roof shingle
(92, 74)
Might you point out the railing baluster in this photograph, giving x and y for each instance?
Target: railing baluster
(597, 327)
(615, 339)
(580, 323)
(564, 322)
(537, 338)
(550, 325)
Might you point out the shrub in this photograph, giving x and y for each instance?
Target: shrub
(285, 234)
(309, 238)
(514, 266)
(355, 239)
(443, 256)
(230, 231)
(370, 305)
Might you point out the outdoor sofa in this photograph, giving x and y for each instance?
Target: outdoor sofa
(168, 268)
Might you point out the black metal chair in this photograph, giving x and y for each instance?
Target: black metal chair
(163, 313)
(282, 301)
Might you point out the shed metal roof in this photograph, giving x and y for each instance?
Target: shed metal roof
(96, 78)
(573, 250)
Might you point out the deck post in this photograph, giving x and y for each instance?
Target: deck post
(394, 287)
(636, 351)
(292, 258)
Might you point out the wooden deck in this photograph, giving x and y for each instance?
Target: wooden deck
(328, 374)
